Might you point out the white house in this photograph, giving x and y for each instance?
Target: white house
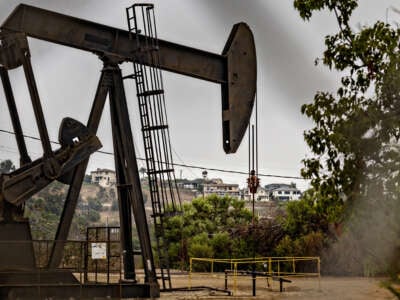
(103, 177)
(221, 189)
(261, 195)
(282, 191)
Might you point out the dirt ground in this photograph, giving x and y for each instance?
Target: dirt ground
(331, 288)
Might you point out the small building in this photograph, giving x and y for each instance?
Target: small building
(282, 191)
(261, 195)
(188, 185)
(221, 189)
(103, 177)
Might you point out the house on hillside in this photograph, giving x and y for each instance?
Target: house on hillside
(261, 195)
(188, 185)
(103, 177)
(282, 191)
(221, 189)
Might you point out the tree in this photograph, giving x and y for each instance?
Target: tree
(352, 129)
(94, 204)
(142, 171)
(205, 229)
(6, 166)
(357, 129)
(87, 178)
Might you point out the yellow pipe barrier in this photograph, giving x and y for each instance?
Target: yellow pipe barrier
(272, 266)
(294, 266)
(235, 278)
(319, 273)
(190, 273)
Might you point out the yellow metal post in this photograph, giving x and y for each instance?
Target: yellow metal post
(278, 267)
(294, 266)
(270, 265)
(235, 278)
(319, 273)
(190, 273)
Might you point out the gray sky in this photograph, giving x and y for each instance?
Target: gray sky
(287, 78)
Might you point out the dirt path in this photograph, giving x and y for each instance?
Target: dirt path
(331, 288)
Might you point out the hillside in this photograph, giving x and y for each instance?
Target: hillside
(97, 206)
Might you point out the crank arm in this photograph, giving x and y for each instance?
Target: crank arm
(23, 183)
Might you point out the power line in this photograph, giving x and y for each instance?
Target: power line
(176, 164)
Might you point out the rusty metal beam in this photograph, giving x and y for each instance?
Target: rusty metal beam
(124, 199)
(235, 69)
(122, 132)
(37, 106)
(108, 41)
(16, 123)
(78, 175)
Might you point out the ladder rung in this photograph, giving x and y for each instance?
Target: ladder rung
(151, 93)
(155, 127)
(161, 171)
(130, 76)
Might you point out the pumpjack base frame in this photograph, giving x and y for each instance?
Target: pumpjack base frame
(75, 291)
(20, 279)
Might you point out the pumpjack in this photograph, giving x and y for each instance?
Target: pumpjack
(234, 70)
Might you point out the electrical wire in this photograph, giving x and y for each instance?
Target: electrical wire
(177, 164)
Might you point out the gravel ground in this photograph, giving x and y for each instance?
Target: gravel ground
(331, 288)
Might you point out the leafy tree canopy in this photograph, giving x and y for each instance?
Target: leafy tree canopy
(356, 131)
(205, 229)
(6, 166)
(355, 166)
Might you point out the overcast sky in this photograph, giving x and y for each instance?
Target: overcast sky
(287, 78)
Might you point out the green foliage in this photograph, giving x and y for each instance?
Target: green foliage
(44, 216)
(306, 8)
(311, 213)
(93, 216)
(351, 127)
(6, 166)
(310, 244)
(200, 246)
(356, 134)
(142, 171)
(94, 204)
(44, 211)
(87, 178)
(205, 229)
(114, 205)
(221, 243)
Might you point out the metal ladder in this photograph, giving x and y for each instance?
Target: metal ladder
(164, 193)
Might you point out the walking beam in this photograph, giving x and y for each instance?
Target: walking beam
(235, 69)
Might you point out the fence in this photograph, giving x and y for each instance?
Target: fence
(78, 259)
(264, 267)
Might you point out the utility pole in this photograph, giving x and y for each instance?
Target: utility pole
(204, 173)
